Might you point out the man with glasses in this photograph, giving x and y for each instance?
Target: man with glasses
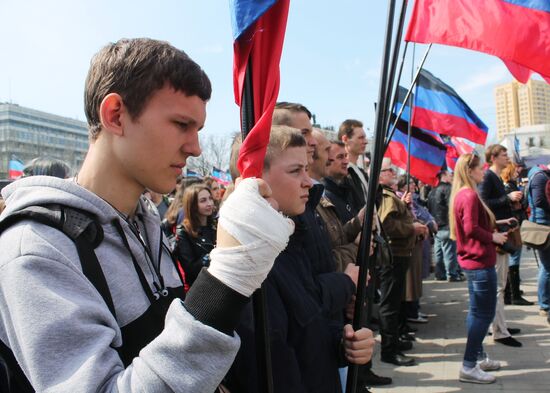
(397, 223)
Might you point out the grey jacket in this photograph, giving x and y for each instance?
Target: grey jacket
(60, 329)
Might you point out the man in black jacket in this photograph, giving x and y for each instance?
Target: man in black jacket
(446, 265)
(352, 134)
(492, 192)
(338, 187)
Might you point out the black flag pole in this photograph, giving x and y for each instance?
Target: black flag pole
(364, 260)
(409, 126)
(395, 55)
(396, 87)
(407, 96)
(263, 350)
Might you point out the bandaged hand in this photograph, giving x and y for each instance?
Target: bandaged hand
(251, 234)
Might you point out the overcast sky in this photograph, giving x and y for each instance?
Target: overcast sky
(330, 61)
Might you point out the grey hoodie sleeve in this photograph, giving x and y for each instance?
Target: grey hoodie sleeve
(62, 333)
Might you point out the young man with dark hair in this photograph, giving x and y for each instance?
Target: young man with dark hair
(91, 299)
(353, 135)
(493, 194)
(296, 116)
(446, 264)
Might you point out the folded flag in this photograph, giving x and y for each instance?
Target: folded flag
(258, 30)
(427, 153)
(438, 108)
(516, 31)
(15, 169)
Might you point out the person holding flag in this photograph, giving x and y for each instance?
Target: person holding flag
(307, 346)
(109, 315)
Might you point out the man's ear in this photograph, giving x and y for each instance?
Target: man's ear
(345, 139)
(111, 110)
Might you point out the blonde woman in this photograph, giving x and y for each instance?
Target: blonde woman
(473, 225)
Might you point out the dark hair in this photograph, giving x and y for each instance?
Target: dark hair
(135, 69)
(493, 151)
(347, 126)
(45, 166)
(442, 173)
(338, 143)
(402, 182)
(284, 110)
(191, 222)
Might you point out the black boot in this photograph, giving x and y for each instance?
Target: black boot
(517, 299)
(508, 290)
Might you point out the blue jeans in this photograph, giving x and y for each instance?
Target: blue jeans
(544, 278)
(482, 287)
(445, 255)
(515, 258)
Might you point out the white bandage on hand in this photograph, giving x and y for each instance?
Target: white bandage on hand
(262, 232)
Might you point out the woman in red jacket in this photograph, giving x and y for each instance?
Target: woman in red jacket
(473, 225)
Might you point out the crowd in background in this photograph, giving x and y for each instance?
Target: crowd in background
(412, 217)
(413, 237)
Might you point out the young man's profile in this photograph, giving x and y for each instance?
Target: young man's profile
(92, 303)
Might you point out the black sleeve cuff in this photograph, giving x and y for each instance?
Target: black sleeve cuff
(213, 303)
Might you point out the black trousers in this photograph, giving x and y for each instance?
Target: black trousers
(392, 288)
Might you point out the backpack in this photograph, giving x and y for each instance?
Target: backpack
(87, 234)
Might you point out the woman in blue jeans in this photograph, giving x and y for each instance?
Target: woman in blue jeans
(472, 225)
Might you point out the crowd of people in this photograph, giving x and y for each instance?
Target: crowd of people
(127, 277)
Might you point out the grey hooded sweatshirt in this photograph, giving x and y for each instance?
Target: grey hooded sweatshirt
(60, 328)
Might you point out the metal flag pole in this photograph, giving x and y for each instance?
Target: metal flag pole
(263, 350)
(396, 87)
(409, 126)
(395, 54)
(407, 96)
(364, 260)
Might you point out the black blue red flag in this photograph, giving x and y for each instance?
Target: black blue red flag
(438, 108)
(427, 151)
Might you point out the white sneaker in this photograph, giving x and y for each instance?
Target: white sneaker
(422, 315)
(418, 319)
(475, 375)
(488, 364)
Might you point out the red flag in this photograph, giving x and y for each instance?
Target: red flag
(516, 31)
(262, 42)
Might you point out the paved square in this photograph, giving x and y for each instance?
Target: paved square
(440, 344)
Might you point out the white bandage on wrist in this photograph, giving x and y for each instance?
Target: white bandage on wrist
(262, 231)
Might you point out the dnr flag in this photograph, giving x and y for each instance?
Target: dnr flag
(516, 31)
(427, 153)
(438, 108)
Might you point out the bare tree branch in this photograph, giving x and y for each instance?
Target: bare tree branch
(216, 150)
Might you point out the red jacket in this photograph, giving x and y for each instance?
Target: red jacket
(474, 232)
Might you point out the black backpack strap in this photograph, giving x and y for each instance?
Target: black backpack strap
(82, 228)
